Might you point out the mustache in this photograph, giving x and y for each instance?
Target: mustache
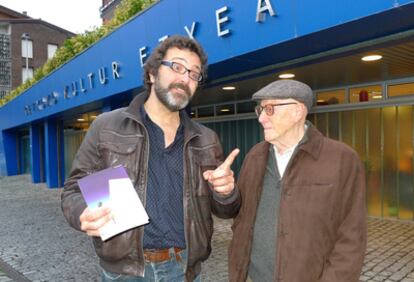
(180, 86)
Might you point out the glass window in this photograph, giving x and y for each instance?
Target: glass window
(27, 48)
(4, 29)
(330, 97)
(51, 50)
(3, 93)
(246, 107)
(205, 111)
(366, 93)
(383, 138)
(401, 89)
(405, 162)
(27, 74)
(360, 127)
(390, 160)
(74, 132)
(372, 162)
(25, 154)
(334, 119)
(320, 122)
(222, 110)
(347, 128)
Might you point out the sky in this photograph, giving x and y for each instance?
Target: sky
(75, 15)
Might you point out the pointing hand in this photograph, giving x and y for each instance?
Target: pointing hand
(222, 178)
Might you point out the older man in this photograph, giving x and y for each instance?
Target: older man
(303, 215)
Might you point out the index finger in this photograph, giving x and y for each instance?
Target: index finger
(230, 159)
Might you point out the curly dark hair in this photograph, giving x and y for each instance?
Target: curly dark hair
(154, 61)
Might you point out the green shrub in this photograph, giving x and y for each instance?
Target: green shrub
(74, 45)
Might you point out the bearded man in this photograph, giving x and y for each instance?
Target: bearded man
(177, 168)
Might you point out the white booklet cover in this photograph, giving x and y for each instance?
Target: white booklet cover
(126, 207)
(112, 188)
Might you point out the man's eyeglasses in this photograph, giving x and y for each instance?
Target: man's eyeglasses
(269, 108)
(181, 69)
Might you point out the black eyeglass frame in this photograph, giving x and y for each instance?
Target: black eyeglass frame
(259, 109)
(171, 64)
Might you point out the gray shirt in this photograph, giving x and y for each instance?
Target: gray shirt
(262, 259)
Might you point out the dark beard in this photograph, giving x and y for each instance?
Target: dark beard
(169, 100)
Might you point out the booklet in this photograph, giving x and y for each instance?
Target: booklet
(112, 188)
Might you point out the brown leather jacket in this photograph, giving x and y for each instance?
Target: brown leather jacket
(322, 214)
(119, 138)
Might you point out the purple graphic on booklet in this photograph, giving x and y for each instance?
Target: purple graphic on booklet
(112, 188)
(95, 187)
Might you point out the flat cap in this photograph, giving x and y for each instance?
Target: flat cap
(285, 89)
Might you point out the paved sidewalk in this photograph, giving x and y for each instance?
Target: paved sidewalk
(37, 244)
(390, 251)
(35, 239)
(4, 277)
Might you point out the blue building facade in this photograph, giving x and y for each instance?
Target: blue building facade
(248, 43)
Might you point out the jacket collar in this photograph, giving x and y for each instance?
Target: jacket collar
(191, 128)
(312, 141)
(132, 111)
(262, 150)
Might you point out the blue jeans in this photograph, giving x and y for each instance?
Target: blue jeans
(171, 270)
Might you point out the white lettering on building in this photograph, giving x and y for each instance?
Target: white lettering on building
(162, 38)
(90, 78)
(73, 88)
(261, 9)
(190, 33)
(115, 73)
(102, 75)
(142, 55)
(82, 88)
(221, 20)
